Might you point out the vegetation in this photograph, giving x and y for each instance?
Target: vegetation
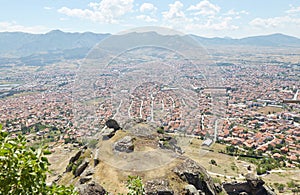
(213, 162)
(160, 130)
(24, 169)
(135, 185)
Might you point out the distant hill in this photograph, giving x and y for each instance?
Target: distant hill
(42, 49)
(273, 40)
(18, 44)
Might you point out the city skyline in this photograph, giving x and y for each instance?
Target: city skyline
(214, 18)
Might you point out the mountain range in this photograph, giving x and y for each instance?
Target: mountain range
(40, 49)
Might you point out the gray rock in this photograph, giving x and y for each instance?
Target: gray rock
(195, 174)
(96, 158)
(253, 185)
(191, 190)
(72, 161)
(76, 157)
(85, 179)
(91, 188)
(218, 187)
(158, 187)
(124, 145)
(108, 133)
(81, 168)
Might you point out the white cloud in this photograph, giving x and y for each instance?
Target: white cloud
(174, 12)
(232, 12)
(106, 11)
(274, 22)
(204, 8)
(216, 24)
(48, 8)
(293, 10)
(14, 27)
(148, 7)
(146, 18)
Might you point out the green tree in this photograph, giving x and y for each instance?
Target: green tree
(213, 162)
(23, 169)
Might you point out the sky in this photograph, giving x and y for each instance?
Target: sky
(209, 18)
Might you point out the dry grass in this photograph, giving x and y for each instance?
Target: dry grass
(59, 161)
(269, 109)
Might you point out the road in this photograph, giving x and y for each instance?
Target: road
(141, 109)
(216, 130)
(296, 95)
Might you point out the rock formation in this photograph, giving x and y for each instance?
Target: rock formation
(196, 175)
(91, 188)
(124, 145)
(158, 187)
(252, 186)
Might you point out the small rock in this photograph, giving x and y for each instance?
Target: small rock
(191, 190)
(91, 188)
(85, 179)
(158, 187)
(124, 145)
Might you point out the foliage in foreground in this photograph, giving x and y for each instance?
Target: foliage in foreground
(135, 185)
(23, 169)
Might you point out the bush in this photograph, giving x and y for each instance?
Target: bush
(135, 185)
(24, 169)
(213, 162)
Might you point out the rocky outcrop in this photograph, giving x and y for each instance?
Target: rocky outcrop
(124, 145)
(190, 190)
(83, 180)
(195, 174)
(81, 168)
(169, 143)
(158, 187)
(108, 133)
(252, 186)
(91, 188)
(113, 124)
(96, 158)
(76, 157)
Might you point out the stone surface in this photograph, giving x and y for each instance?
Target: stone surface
(195, 174)
(91, 188)
(158, 187)
(124, 145)
(76, 157)
(85, 179)
(252, 186)
(81, 168)
(108, 133)
(190, 190)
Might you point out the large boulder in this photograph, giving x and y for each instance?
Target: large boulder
(91, 188)
(124, 145)
(112, 124)
(195, 174)
(158, 187)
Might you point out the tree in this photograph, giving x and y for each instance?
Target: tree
(213, 162)
(24, 169)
